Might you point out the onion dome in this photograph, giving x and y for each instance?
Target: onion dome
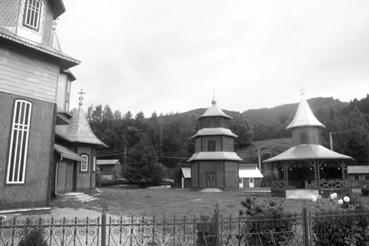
(304, 117)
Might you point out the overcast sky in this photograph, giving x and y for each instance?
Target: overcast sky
(168, 55)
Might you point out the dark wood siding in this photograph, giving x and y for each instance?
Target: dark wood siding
(34, 191)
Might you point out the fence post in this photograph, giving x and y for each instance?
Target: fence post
(216, 224)
(103, 225)
(305, 226)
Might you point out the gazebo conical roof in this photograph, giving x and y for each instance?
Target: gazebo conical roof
(304, 116)
(79, 130)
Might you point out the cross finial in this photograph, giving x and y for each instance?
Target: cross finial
(81, 93)
(213, 101)
(302, 91)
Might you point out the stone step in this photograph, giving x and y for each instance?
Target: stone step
(301, 194)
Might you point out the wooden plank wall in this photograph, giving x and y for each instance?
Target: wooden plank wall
(25, 76)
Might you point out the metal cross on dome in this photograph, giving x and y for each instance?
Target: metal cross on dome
(81, 93)
(302, 91)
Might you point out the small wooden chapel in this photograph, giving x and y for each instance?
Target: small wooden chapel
(215, 162)
(75, 154)
(307, 168)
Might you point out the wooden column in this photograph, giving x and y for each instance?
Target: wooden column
(318, 163)
(316, 176)
(285, 173)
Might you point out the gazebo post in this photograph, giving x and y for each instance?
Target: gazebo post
(343, 170)
(285, 174)
(316, 176)
(317, 165)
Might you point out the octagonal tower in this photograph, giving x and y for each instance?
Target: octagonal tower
(214, 163)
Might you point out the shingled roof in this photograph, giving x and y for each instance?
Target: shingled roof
(219, 131)
(308, 152)
(304, 116)
(215, 155)
(79, 130)
(214, 110)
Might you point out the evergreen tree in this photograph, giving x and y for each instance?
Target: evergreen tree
(142, 163)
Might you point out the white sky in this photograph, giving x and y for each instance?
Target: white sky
(169, 55)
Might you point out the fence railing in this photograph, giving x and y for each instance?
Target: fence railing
(215, 230)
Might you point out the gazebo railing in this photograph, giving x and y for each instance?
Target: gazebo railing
(331, 184)
(279, 185)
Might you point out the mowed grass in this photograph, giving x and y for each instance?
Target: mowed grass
(176, 202)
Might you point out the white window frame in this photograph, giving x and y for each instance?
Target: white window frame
(32, 14)
(86, 157)
(18, 148)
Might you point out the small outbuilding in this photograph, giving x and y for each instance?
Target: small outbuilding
(109, 169)
(357, 175)
(185, 177)
(249, 176)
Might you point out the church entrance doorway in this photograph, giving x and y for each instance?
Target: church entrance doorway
(211, 180)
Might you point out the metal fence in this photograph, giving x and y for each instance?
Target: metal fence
(298, 229)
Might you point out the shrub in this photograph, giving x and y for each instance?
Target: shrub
(266, 223)
(339, 229)
(342, 226)
(33, 238)
(365, 191)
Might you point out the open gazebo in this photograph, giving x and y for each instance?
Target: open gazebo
(307, 167)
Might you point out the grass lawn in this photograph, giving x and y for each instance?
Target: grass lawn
(172, 202)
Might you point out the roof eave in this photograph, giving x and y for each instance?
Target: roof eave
(58, 7)
(64, 61)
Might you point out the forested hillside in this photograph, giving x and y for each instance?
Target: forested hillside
(165, 139)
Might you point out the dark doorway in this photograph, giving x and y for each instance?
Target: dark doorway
(74, 176)
(210, 180)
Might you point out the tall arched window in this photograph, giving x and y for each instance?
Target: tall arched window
(32, 14)
(17, 159)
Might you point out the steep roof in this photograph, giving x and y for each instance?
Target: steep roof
(78, 130)
(214, 155)
(214, 110)
(186, 172)
(214, 132)
(308, 152)
(304, 116)
(249, 171)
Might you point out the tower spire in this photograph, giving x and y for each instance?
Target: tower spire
(213, 102)
(302, 92)
(81, 93)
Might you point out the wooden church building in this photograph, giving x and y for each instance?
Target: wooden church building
(31, 68)
(215, 162)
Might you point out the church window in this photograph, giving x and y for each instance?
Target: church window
(211, 145)
(17, 159)
(32, 14)
(84, 163)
